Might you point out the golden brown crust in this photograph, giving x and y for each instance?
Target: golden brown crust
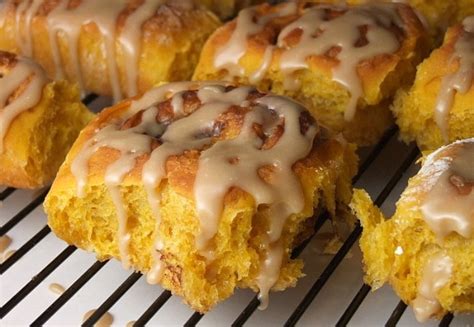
(171, 41)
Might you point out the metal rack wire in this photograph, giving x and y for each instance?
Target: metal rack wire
(390, 160)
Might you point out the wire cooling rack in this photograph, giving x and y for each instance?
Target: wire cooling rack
(331, 293)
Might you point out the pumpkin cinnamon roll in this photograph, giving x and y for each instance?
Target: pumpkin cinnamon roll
(344, 63)
(426, 250)
(439, 107)
(39, 120)
(117, 48)
(203, 187)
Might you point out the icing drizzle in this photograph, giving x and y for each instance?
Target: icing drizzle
(27, 71)
(436, 274)
(459, 81)
(320, 34)
(68, 21)
(449, 205)
(222, 164)
(248, 23)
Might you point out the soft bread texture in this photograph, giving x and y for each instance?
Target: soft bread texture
(170, 44)
(39, 138)
(438, 14)
(414, 108)
(90, 222)
(326, 99)
(384, 262)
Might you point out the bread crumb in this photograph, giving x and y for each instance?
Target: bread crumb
(5, 242)
(56, 288)
(7, 255)
(105, 321)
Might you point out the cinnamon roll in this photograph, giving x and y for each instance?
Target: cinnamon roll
(110, 47)
(438, 108)
(204, 187)
(426, 250)
(39, 120)
(343, 62)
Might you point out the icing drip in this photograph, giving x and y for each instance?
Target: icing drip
(131, 144)
(26, 11)
(223, 163)
(68, 22)
(130, 40)
(319, 36)
(181, 136)
(236, 162)
(436, 274)
(247, 24)
(24, 69)
(460, 81)
(104, 14)
(260, 72)
(449, 205)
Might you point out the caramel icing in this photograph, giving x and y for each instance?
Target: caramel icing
(436, 274)
(449, 204)
(319, 35)
(222, 164)
(24, 71)
(247, 24)
(342, 32)
(131, 144)
(69, 21)
(459, 81)
(25, 11)
(130, 39)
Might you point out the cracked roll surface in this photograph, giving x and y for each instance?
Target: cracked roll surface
(117, 48)
(426, 250)
(438, 108)
(343, 62)
(39, 121)
(203, 187)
